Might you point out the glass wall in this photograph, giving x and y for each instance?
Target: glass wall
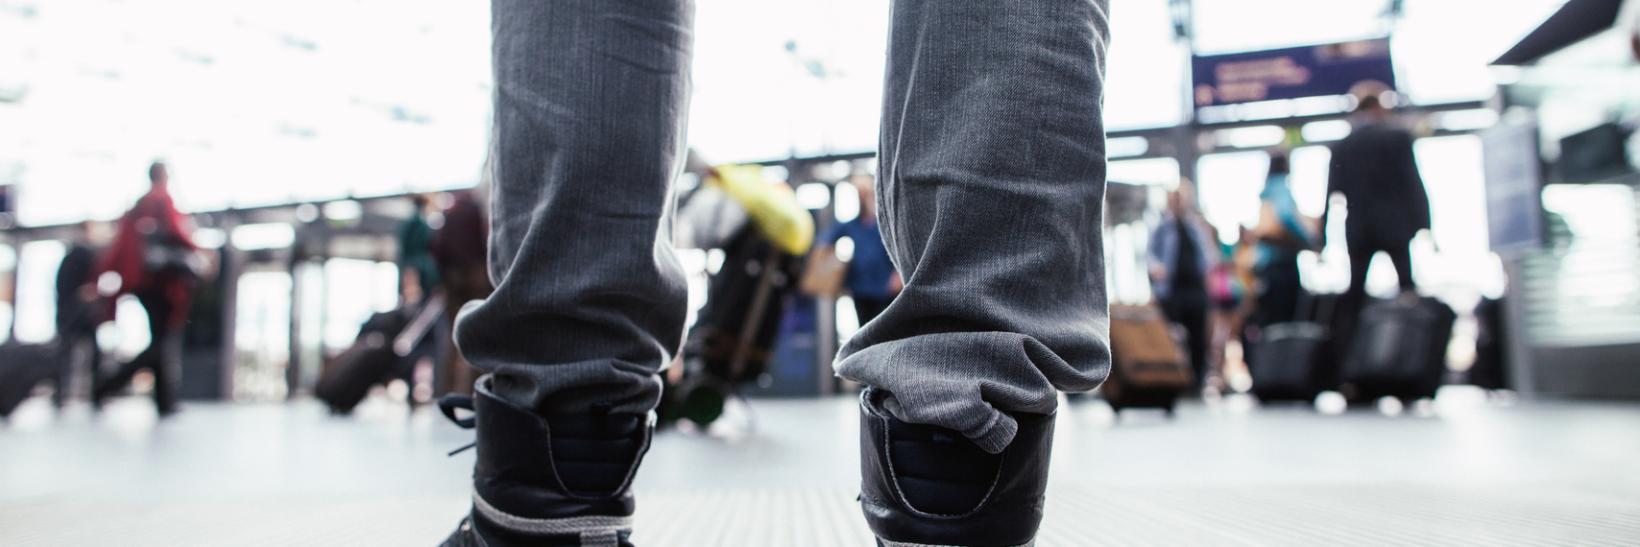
(1145, 74)
(262, 336)
(36, 312)
(375, 288)
(8, 272)
(405, 106)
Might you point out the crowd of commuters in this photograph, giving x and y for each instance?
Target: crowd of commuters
(443, 267)
(1256, 283)
(999, 307)
(153, 258)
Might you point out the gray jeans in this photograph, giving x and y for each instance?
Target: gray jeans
(991, 193)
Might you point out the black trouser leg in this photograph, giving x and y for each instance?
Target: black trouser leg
(67, 340)
(1361, 250)
(158, 357)
(167, 373)
(1400, 254)
(1199, 331)
(93, 361)
(1279, 294)
(1191, 313)
(122, 376)
(71, 336)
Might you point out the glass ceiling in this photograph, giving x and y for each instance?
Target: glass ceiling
(266, 102)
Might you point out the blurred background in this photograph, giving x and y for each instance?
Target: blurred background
(323, 188)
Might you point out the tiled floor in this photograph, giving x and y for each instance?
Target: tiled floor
(1463, 471)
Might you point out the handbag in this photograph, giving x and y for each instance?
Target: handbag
(825, 273)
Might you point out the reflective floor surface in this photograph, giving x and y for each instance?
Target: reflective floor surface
(1466, 470)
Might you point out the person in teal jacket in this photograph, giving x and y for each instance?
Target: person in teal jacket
(417, 267)
(1282, 233)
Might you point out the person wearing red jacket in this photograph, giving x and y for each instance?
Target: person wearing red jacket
(151, 254)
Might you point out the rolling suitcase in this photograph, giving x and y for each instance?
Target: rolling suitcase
(1289, 361)
(22, 367)
(1399, 349)
(1148, 369)
(383, 342)
(347, 378)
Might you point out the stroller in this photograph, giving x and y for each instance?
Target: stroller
(763, 235)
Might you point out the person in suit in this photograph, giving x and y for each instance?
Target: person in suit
(1375, 170)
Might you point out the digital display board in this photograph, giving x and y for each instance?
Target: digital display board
(1514, 183)
(1291, 73)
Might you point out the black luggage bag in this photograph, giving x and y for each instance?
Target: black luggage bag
(1292, 361)
(369, 361)
(1148, 368)
(1399, 349)
(384, 343)
(22, 367)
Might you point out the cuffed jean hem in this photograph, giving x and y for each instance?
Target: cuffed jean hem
(994, 436)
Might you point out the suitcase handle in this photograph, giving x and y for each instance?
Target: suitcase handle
(411, 336)
(1307, 299)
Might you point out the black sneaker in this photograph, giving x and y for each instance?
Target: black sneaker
(548, 481)
(925, 486)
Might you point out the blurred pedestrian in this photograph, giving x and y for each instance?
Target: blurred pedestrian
(1375, 169)
(459, 247)
(871, 279)
(1183, 253)
(77, 316)
(1281, 233)
(418, 271)
(156, 260)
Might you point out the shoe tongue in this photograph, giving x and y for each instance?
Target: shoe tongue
(594, 453)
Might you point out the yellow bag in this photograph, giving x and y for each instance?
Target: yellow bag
(773, 207)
